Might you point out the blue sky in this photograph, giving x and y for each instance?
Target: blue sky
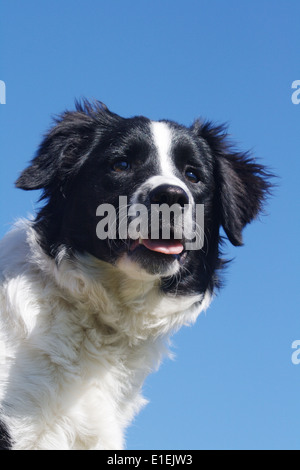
(232, 384)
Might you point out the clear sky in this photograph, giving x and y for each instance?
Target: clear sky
(233, 384)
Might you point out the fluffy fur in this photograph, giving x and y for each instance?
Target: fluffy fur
(83, 321)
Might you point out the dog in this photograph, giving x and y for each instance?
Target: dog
(84, 319)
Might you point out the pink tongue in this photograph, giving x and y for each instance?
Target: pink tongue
(164, 246)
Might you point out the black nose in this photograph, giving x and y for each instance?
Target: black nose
(168, 194)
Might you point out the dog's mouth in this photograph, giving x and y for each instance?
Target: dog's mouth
(157, 257)
(166, 247)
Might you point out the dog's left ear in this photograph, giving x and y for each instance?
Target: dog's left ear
(65, 147)
(242, 184)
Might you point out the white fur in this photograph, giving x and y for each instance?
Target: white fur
(78, 340)
(163, 139)
(162, 136)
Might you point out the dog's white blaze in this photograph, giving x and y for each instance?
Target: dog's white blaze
(162, 136)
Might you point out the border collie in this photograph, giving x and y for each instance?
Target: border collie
(83, 320)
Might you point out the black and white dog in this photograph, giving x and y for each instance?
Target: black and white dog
(83, 320)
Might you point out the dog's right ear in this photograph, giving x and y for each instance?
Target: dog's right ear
(242, 185)
(64, 149)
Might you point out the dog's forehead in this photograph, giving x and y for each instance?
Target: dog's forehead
(170, 141)
(163, 138)
(164, 134)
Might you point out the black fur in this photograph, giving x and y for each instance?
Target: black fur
(5, 443)
(73, 168)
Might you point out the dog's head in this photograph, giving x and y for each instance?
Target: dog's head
(105, 180)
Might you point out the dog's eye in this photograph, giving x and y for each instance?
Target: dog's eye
(192, 176)
(121, 165)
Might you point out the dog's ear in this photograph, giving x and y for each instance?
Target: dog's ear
(64, 149)
(242, 184)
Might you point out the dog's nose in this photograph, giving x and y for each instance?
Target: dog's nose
(168, 194)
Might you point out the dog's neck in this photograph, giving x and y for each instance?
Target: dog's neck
(135, 309)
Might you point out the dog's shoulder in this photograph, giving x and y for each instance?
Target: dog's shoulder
(14, 250)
